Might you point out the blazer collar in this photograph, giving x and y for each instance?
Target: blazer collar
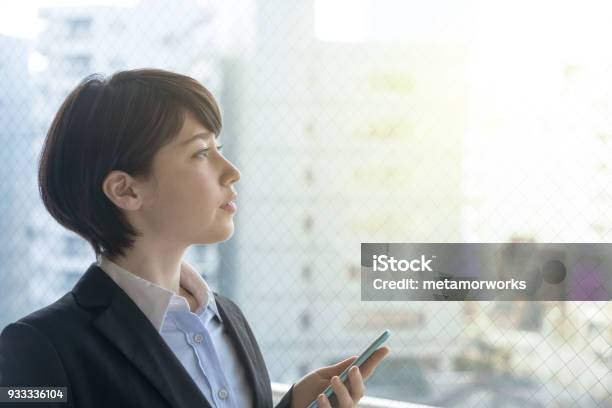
(125, 326)
(152, 299)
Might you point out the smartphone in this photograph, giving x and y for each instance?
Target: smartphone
(363, 357)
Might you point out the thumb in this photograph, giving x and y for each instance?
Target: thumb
(330, 371)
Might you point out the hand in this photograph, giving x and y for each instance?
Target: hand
(313, 384)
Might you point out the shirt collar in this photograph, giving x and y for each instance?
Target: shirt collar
(155, 301)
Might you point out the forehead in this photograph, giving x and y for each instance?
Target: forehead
(192, 126)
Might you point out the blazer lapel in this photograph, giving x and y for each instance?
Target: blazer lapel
(126, 327)
(233, 322)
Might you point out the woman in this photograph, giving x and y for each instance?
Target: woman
(131, 164)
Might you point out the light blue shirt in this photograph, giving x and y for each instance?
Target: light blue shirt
(196, 337)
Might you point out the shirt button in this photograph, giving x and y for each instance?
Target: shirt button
(198, 338)
(222, 393)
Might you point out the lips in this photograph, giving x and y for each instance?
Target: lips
(230, 205)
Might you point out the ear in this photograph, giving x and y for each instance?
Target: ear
(121, 189)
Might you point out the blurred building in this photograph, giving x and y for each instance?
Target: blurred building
(332, 143)
(16, 173)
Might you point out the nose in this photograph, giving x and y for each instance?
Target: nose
(231, 174)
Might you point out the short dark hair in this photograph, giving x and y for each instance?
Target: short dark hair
(116, 123)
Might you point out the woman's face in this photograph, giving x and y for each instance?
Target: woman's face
(182, 201)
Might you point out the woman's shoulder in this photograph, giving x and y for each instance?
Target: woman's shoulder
(29, 347)
(51, 318)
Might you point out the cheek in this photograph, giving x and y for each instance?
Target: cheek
(197, 188)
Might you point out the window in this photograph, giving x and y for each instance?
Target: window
(73, 246)
(307, 272)
(79, 27)
(305, 320)
(308, 223)
(77, 65)
(304, 368)
(353, 272)
(309, 176)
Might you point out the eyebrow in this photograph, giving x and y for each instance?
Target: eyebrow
(201, 135)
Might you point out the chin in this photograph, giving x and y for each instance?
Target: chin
(219, 236)
(228, 236)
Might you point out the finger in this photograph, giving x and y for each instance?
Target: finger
(369, 366)
(344, 398)
(323, 402)
(356, 384)
(336, 369)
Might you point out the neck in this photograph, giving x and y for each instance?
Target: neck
(158, 264)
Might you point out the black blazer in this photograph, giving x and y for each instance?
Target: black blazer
(98, 343)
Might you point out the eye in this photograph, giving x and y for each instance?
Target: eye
(205, 151)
